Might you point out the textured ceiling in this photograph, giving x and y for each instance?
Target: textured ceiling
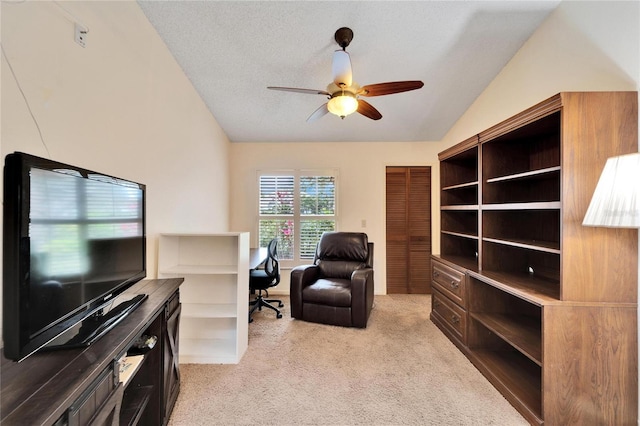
(232, 50)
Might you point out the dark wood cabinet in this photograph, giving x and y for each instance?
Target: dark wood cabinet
(83, 386)
(548, 312)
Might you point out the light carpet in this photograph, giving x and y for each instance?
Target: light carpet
(400, 370)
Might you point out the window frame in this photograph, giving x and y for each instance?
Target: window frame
(297, 218)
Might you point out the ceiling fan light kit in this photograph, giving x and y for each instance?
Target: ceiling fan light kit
(343, 93)
(343, 104)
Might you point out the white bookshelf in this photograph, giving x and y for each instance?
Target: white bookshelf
(214, 295)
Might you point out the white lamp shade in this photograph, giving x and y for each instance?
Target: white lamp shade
(616, 200)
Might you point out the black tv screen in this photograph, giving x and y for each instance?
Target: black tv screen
(73, 240)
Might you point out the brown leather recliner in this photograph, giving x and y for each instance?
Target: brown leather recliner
(337, 289)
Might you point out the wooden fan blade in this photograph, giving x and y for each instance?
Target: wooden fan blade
(341, 69)
(366, 109)
(297, 90)
(390, 88)
(320, 112)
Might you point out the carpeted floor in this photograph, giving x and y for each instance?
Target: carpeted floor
(400, 370)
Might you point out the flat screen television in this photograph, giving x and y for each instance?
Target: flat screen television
(73, 240)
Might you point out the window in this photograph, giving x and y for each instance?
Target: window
(296, 207)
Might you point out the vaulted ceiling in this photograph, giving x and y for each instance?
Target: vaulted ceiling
(232, 50)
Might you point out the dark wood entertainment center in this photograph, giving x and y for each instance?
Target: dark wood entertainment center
(82, 386)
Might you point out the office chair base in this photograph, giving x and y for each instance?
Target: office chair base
(260, 301)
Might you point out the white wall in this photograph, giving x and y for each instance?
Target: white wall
(120, 106)
(361, 185)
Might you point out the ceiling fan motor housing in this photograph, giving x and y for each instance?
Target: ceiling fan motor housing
(343, 37)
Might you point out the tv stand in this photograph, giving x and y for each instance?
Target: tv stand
(83, 385)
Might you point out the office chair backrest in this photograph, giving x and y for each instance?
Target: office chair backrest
(271, 263)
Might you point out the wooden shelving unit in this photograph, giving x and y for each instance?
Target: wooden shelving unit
(539, 288)
(460, 195)
(215, 267)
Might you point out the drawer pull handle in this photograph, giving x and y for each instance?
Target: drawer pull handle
(436, 274)
(455, 284)
(436, 304)
(455, 319)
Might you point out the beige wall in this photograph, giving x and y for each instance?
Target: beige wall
(120, 106)
(361, 184)
(582, 46)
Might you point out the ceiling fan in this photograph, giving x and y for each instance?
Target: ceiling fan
(343, 93)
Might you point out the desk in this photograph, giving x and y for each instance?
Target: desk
(256, 256)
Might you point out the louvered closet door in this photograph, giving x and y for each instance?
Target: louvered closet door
(408, 230)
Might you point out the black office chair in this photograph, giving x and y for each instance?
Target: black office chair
(265, 276)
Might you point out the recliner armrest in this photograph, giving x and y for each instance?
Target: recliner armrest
(361, 296)
(301, 276)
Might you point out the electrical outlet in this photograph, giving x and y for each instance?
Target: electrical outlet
(81, 35)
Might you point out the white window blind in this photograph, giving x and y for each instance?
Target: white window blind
(296, 207)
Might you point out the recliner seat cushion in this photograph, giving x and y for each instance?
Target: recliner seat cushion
(332, 292)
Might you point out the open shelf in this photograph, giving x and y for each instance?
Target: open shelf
(208, 351)
(516, 377)
(463, 223)
(535, 289)
(464, 185)
(505, 337)
(529, 229)
(465, 262)
(460, 247)
(209, 310)
(544, 246)
(460, 169)
(532, 175)
(523, 206)
(461, 235)
(136, 399)
(466, 193)
(534, 271)
(523, 333)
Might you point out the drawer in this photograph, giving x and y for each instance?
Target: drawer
(450, 282)
(450, 315)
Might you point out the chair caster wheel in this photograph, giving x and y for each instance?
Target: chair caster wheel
(279, 316)
(281, 305)
(250, 320)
